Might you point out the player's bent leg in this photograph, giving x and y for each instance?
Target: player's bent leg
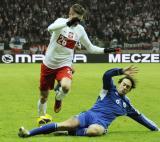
(66, 84)
(95, 130)
(63, 90)
(68, 125)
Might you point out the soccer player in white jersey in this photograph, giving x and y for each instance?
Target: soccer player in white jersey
(65, 34)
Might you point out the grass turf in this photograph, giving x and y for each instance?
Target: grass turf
(19, 94)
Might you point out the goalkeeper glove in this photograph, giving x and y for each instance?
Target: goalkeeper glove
(74, 21)
(110, 50)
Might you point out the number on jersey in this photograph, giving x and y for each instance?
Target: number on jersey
(65, 42)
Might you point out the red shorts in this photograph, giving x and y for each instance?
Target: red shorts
(48, 76)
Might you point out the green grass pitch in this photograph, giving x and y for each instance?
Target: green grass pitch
(19, 94)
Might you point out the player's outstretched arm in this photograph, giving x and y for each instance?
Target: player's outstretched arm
(130, 71)
(112, 50)
(107, 77)
(143, 120)
(93, 48)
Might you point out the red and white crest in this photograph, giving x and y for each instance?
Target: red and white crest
(70, 35)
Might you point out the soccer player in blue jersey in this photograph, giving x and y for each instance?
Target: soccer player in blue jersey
(111, 103)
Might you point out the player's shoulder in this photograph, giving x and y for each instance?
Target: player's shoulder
(81, 29)
(80, 26)
(61, 19)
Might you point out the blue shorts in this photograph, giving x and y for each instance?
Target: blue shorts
(88, 118)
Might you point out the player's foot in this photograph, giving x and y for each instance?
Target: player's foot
(44, 119)
(57, 105)
(23, 133)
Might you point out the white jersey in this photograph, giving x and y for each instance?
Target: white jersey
(62, 43)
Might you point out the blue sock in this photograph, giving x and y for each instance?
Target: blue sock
(81, 131)
(46, 129)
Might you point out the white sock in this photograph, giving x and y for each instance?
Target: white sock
(60, 94)
(42, 108)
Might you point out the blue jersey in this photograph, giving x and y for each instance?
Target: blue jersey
(110, 104)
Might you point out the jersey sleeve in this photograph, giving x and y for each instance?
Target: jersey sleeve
(58, 24)
(107, 77)
(88, 45)
(142, 119)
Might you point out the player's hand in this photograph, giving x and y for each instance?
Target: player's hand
(74, 21)
(112, 50)
(131, 70)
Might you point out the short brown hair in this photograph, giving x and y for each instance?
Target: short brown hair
(133, 81)
(79, 9)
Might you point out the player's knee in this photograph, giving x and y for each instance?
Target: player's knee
(65, 88)
(65, 84)
(94, 132)
(70, 124)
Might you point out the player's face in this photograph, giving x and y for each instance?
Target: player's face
(125, 86)
(74, 14)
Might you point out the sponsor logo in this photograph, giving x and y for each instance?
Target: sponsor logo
(134, 58)
(35, 58)
(80, 58)
(7, 58)
(84, 58)
(22, 58)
